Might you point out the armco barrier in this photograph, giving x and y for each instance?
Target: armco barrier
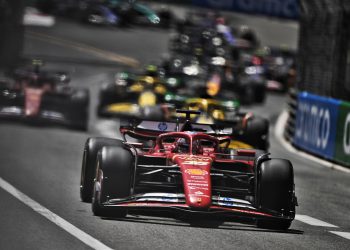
(316, 124)
(342, 147)
(279, 8)
(319, 125)
(292, 105)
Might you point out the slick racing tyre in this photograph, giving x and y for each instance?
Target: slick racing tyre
(248, 96)
(109, 93)
(106, 96)
(275, 192)
(255, 133)
(260, 94)
(80, 109)
(113, 180)
(88, 169)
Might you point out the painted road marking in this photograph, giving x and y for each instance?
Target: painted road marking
(345, 235)
(65, 225)
(96, 244)
(85, 48)
(312, 221)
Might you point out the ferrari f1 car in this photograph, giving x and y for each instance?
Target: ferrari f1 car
(189, 169)
(38, 96)
(247, 130)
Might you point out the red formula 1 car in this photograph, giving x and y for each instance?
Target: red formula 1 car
(186, 170)
(44, 97)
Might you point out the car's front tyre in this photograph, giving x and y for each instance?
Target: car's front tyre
(88, 169)
(113, 180)
(275, 192)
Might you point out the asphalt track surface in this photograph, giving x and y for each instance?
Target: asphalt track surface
(44, 164)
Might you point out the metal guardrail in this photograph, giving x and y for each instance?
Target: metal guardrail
(320, 126)
(292, 105)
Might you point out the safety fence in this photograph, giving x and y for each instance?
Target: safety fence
(319, 125)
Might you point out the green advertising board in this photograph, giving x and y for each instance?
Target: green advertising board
(342, 147)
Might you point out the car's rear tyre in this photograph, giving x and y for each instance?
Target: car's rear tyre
(260, 95)
(79, 109)
(88, 169)
(275, 192)
(248, 96)
(256, 133)
(113, 180)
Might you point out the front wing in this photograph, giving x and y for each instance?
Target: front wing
(44, 116)
(224, 206)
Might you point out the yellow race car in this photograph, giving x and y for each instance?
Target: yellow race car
(139, 98)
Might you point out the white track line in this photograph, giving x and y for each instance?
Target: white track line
(65, 225)
(312, 221)
(279, 128)
(345, 235)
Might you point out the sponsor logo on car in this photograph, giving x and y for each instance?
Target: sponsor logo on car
(162, 126)
(194, 171)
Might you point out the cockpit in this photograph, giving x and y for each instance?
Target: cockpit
(187, 143)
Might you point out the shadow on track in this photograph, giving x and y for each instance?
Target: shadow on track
(236, 224)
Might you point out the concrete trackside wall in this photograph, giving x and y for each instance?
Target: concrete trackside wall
(323, 127)
(324, 48)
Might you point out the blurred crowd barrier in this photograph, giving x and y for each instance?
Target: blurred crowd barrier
(324, 48)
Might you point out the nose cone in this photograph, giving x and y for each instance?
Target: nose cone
(196, 180)
(198, 199)
(32, 101)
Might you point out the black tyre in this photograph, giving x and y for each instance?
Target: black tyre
(260, 94)
(248, 95)
(256, 133)
(113, 180)
(81, 101)
(109, 93)
(88, 169)
(275, 192)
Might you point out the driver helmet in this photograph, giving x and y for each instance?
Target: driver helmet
(151, 70)
(182, 146)
(197, 147)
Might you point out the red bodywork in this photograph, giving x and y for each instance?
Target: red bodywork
(33, 98)
(196, 179)
(197, 168)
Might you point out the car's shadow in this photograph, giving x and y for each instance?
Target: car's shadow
(236, 224)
